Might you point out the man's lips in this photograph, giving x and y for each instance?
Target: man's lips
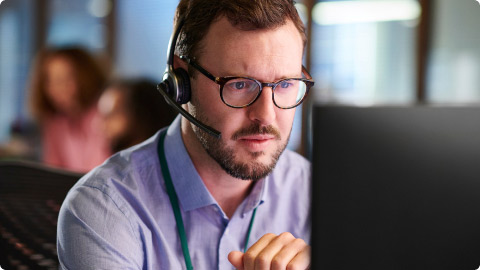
(256, 143)
(258, 137)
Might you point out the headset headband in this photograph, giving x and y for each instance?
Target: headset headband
(173, 42)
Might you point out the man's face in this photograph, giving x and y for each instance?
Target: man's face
(253, 137)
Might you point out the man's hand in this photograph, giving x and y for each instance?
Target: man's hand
(273, 252)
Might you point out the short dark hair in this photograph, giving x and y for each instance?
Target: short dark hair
(198, 15)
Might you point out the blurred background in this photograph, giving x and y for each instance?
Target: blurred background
(361, 52)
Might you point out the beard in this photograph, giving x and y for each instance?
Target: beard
(225, 156)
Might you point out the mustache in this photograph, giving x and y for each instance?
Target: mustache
(256, 129)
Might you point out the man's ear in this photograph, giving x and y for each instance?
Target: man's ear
(179, 63)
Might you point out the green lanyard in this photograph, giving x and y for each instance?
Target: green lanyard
(176, 208)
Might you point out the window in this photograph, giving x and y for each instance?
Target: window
(16, 38)
(363, 51)
(454, 57)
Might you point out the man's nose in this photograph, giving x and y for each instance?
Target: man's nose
(263, 110)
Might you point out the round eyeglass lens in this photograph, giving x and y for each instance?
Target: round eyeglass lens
(240, 91)
(289, 93)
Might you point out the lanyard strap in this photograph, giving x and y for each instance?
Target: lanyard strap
(172, 195)
(174, 200)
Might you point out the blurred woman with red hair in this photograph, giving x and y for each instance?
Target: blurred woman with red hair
(65, 86)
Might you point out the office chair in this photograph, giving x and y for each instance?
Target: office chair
(30, 198)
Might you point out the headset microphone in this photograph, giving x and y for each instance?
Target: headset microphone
(162, 89)
(175, 87)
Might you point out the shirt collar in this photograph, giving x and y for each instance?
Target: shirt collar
(190, 189)
(257, 196)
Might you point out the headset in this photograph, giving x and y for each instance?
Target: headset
(175, 87)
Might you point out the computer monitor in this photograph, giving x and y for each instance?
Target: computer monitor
(396, 188)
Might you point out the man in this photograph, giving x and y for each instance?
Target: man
(207, 198)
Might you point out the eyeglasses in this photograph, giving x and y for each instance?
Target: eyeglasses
(241, 92)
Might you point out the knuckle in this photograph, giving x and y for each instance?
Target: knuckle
(262, 261)
(249, 257)
(299, 242)
(278, 263)
(286, 236)
(292, 266)
(269, 235)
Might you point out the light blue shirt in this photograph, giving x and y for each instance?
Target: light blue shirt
(119, 215)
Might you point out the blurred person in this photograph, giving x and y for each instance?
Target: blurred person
(65, 86)
(132, 111)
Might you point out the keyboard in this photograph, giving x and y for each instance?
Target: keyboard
(30, 197)
(28, 240)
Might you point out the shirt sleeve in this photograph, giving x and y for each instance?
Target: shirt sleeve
(94, 232)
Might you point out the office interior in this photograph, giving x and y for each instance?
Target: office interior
(359, 52)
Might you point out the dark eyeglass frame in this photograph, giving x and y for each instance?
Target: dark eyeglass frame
(221, 81)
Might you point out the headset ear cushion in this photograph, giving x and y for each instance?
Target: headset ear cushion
(183, 91)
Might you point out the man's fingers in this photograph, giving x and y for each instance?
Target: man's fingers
(302, 260)
(265, 258)
(295, 255)
(250, 257)
(277, 253)
(236, 259)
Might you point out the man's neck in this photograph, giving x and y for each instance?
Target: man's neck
(228, 191)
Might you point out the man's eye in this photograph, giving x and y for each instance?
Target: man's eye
(239, 85)
(285, 84)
